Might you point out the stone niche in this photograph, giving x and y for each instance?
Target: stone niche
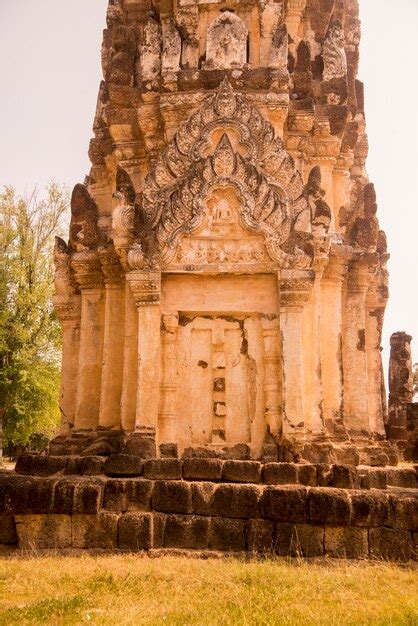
(226, 44)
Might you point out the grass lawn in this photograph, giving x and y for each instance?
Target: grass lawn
(177, 590)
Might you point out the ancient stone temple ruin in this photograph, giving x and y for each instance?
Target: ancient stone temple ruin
(224, 283)
(222, 295)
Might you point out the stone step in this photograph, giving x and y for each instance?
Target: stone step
(124, 465)
(142, 514)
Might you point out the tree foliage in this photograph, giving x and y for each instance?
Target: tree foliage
(29, 329)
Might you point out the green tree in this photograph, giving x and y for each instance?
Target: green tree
(29, 329)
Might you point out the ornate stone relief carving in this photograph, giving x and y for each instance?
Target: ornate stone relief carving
(335, 60)
(171, 47)
(123, 216)
(149, 64)
(226, 44)
(64, 283)
(84, 234)
(218, 148)
(279, 48)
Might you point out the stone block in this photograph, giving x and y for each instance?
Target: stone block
(127, 495)
(74, 465)
(64, 495)
(95, 531)
(169, 451)
(41, 532)
(347, 455)
(369, 508)
(8, 534)
(4, 507)
(92, 466)
(123, 465)
(227, 534)
(260, 535)
(236, 501)
(298, 540)
(373, 478)
(37, 465)
(162, 469)
(202, 469)
(135, 531)
(40, 498)
(186, 531)
(374, 456)
(285, 504)
(403, 512)
(88, 496)
(329, 506)
(344, 477)
(202, 494)
(241, 471)
(16, 493)
(172, 497)
(346, 542)
(280, 474)
(98, 448)
(323, 473)
(390, 544)
(307, 475)
(141, 447)
(158, 526)
(401, 477)
(24, 464)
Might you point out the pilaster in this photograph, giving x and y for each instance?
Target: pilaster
(295, 288)
(331, 334)
(168, 413)
(111, 389)
(89, 277)
(272, 387)
(146, 289)
(356, 403)
(69, 313)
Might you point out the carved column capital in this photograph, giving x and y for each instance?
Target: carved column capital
(295, 287)
(111, 267)
(338, 262)
(87, 269)
(68, 309)
(145, 286)
(361, 273)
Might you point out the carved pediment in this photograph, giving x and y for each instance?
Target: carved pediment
(227, 145)
(249, 132)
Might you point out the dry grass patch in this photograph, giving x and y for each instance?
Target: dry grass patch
(176, 590)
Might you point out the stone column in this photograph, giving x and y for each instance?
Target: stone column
(89, 277)
(130, 363)
(356, 406)
(111, 389)
(295, 287)
(331, 336)
(401, 390)
(294, 13)
(146, 289)
(272, 390)
(168, 413)
(69, 313)
(375, 310)
(312, 384)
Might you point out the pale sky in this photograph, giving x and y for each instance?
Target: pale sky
(50, 73)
